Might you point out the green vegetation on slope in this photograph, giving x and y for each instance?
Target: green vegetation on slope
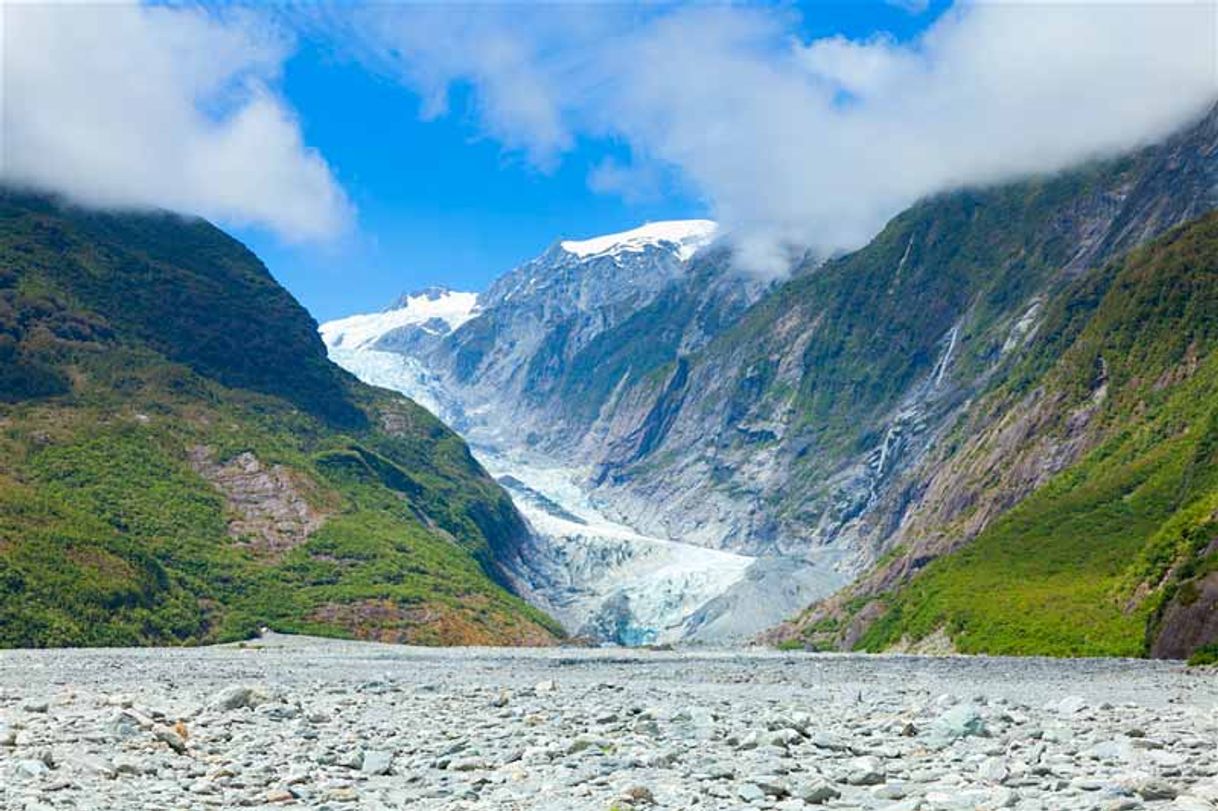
(879, 315)
(1087, 564)
(144, 360)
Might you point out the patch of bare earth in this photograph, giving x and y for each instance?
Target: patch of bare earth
(270, 513)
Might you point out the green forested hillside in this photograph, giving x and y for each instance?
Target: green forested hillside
(1115, 554)
(179, 462)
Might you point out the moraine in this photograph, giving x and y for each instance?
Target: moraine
(311, 723)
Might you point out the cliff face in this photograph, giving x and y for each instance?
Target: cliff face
(900, 403)
(555, 339)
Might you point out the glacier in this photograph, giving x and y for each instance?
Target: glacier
(600, 576)
(597, 577)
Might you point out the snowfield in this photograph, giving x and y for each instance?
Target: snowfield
(688, 236)
(448, 306)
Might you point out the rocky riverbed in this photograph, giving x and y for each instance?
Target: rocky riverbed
(323, 724)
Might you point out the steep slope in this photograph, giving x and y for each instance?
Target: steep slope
(180, 462)
(553, 337)
(1115, 554)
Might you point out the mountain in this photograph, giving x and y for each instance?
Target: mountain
(536, 351)
(414, 322)
(839, 432)
(525, 374)
(180, 462)
(1111, 422)
(848, 410)
(793, 428)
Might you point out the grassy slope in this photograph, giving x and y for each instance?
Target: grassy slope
(1081, 566)
(125, 341)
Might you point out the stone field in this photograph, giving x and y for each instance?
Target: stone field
(300, 722)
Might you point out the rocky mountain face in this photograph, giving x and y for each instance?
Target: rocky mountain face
(180, 462)
(526, 377)
(804, 424)
(856, 422)
(1074, 509)
(554, 336)
(1020, 478)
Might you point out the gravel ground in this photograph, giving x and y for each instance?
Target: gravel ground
(314, 723)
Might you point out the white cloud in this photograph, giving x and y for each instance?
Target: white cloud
(513, 54)
(911, 6)
(811, 143)
(114, 104)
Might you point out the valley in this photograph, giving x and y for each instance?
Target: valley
(606, 578)
(823, 438)
(609, 406)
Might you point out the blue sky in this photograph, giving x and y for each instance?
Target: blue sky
(440, 202)
(437, 201)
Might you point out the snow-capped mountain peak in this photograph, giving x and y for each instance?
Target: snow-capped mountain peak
(431, 293)
(434, 309)
(687, 235)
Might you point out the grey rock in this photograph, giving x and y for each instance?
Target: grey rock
(1156, 789)
(772, 785)
(750, 793)
(236, 697)
(890, 791)
(993, 770)
(32, 767)
(376, 761)
(1185, 802)
(961, 721)
(170, 737)
(865, 771)
(1071, 705)
(468, 764)
(1114, 751)
(128, 723)
(92, 765)
(818, 793)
